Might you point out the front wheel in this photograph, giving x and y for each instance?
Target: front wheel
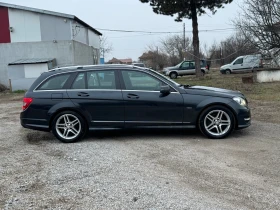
(68, 127)
(228, 71)
(216, 122)
(173, 75)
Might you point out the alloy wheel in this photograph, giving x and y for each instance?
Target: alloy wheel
(68, 126)
(217, 123)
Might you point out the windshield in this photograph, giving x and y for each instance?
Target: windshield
(178, 65)
(155, 72)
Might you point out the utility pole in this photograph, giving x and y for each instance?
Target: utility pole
(222, 53)
(157, 59)
(184, 37)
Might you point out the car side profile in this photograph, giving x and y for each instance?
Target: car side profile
(185, 68)
(71, 101)
(242, 64)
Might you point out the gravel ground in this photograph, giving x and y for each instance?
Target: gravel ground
(155, 169)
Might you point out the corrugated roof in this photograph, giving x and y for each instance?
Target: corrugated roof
(49, 13)
(31, 61)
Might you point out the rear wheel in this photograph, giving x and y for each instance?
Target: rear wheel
(173, 75)
(203, 72)
(68, 127)
(216, 122)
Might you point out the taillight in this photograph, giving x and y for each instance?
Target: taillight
(26, 103)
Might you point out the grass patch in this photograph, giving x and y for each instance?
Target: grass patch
(19, 91)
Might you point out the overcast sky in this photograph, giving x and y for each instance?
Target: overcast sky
(134, 15)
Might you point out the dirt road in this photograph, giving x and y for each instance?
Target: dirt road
(153, 169)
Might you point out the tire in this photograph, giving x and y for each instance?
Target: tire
(173, 75)
(203, 72)
(214, 126)
(227, 71)
(69, 127)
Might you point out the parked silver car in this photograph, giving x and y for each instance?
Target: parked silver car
(185, 68)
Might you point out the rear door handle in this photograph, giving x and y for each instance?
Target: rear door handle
(83, 94)
(132, 96)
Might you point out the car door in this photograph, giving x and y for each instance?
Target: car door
(99, 94)
(238, 65)
(145, 105)
(191, 67)
(184, 68)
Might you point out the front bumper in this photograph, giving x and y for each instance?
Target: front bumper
(223, 71)
(243, 118)
(243, 115)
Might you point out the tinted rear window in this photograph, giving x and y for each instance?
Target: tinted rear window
(55, 82)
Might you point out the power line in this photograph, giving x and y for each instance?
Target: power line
(162, 32)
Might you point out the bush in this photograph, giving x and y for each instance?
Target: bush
(3, 88)
(19, 91)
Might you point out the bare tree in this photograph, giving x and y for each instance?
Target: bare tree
(105, 46)
(154, 58)
(230, 48)
(259, 22)
(173, 46)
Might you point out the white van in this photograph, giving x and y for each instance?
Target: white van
(244, 63)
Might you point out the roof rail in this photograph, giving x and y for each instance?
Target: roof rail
(66, 67)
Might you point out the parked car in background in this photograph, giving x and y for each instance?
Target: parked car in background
(242, 64)
(185, 68)
(71, 101)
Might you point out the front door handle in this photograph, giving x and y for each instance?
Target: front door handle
(83, 94)
(132, 96)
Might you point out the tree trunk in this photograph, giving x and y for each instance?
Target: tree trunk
(196, 40)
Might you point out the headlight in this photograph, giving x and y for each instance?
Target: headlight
(241, 101)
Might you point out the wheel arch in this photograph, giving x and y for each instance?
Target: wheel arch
(73, 109)
(173, 72)
(218, 104)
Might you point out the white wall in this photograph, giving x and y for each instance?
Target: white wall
(26, 26)
(94, 39)
(268, 76)
(79, 33)
(35, 70)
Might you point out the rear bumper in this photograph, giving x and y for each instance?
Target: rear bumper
(34, 124)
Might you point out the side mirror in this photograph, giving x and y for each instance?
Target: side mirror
(165, 90)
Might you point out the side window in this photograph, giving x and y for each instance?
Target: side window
(80, 82)
(55, 82)
(202, 63)
(239, 61)
(134, 80)
(101, 80)
(185, 65)
(192, 65)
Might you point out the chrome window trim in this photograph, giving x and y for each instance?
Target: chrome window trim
(147, 91)
(59, 90)
(86, 70)
(152, 76)
(87, 90)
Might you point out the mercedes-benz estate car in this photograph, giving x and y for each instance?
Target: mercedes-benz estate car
(73, 100)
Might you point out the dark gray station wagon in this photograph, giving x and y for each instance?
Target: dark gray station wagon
(70, 101)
